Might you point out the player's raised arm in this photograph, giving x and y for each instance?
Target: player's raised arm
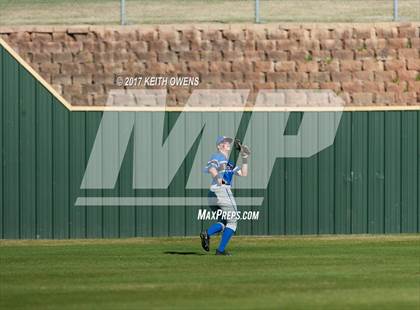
(244, 152)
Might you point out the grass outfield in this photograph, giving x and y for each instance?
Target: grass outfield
(187, 11)
(361, 272)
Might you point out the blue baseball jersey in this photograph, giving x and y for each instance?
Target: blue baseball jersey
(226, 169)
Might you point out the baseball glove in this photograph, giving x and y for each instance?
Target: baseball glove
(242, 148)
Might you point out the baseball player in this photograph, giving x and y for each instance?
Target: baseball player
(222, 170)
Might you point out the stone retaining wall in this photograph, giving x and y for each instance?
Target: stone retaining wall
(363, 64)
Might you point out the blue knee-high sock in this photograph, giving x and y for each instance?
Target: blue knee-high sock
(227, 234)
(214, 229)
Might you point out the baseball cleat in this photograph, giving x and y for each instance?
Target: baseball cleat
(205, 241)
(224, 253)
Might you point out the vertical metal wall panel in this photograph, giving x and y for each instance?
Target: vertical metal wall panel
(293, 196)
(177, 185)
(27, 158)
(60, 159)
(110, 215)
(44, 161)
(11, 222)
(343, 176)
(276, 186)
(77, 164)
(127, 216)
(259, 142)
(359, 167)
(376, 172)
(294, 181)
(392, 213)
(94, 220)
(144, 219)
(160, 212)
(192, 225)
(326, 179)
(310, 190)
(418, 171)
(409, 166)
(366, 182)
(2, 100)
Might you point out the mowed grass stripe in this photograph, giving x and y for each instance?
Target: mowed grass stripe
(265, 273)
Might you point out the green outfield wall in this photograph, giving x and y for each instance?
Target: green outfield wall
(366, 182)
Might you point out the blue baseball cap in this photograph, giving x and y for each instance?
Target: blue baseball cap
(221, 139)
